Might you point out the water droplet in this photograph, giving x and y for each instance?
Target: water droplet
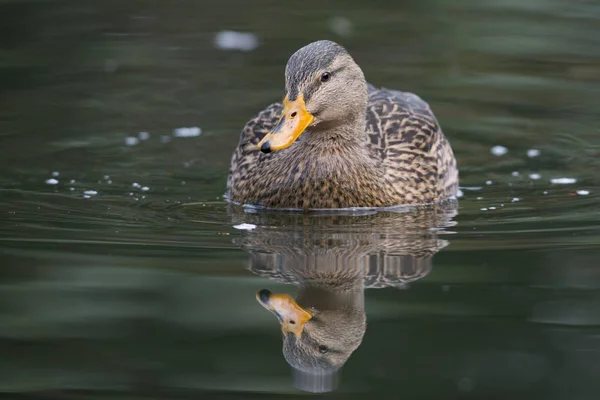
(563, 181)
(231, 40)
(246, 227)
(531, 153)
(131, 141)
(498, 150)
(187, 132)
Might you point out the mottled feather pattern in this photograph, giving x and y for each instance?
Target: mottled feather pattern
(385, 249)
(409, 162)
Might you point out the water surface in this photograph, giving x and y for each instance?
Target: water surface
(123, 271)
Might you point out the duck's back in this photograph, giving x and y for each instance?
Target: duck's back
(416, 164)
(416, 156)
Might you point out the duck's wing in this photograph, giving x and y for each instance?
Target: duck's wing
(416, 156)
(245, 156)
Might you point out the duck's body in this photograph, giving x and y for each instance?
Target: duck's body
(360, 146)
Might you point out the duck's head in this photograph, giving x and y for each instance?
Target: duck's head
(324, 88)
(315, 343)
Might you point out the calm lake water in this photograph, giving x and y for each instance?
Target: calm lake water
(124, 274)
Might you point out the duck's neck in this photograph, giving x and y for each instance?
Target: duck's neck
(332, 282)
(346, 135)
(324, 299)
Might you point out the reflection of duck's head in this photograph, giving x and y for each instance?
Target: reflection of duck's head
(317, 341)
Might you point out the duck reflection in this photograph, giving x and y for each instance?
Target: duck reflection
(332, 259)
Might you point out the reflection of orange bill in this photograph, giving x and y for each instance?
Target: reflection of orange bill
(294, 120)
(290, 314)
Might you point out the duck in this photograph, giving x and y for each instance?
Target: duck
(336, 141)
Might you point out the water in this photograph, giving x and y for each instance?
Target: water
(124, 274)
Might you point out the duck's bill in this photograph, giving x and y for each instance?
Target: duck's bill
(291, 316)
(294, 120)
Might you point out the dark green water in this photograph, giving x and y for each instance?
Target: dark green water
(136, 293)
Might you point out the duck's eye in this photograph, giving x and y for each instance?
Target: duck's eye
(323, 349)
(325, 77)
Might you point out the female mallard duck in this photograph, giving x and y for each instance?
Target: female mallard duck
(338, 142)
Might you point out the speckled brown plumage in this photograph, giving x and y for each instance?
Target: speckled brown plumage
(402, 158)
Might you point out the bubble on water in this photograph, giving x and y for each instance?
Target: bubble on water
(72, 181)
(231, 40)
(136, 185)
(90, 193)
(531, 153)
(498, 150)
(106, 177)
(545, 192)
(515, 173)
(535, 177)
(187, 132)
(488, 182)
(145, 188)
(563, 181)
(479, 198)
(515, 200)
(131, 141)
(245, 227)
(51, 181)
(582, 192)
(55, 173)
(492, 208)
(109, 182)
(483, 209)
(86, 196)
(72, 189)
(341, 26)
(143, 135)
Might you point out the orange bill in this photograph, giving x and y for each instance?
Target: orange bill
(292, 316)
(294, 120)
